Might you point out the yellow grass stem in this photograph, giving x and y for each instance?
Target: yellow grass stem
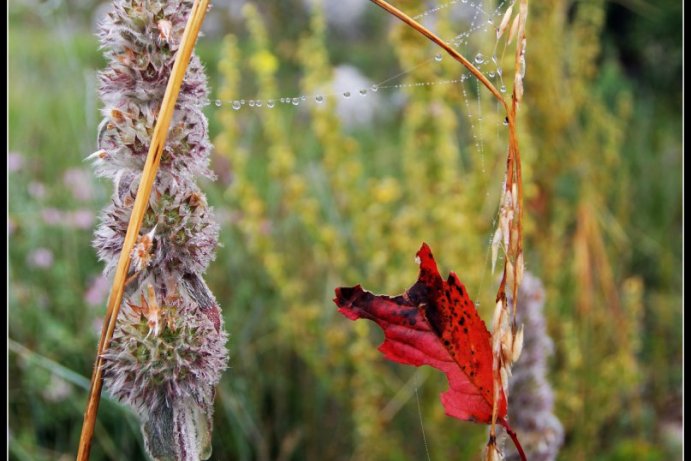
(158, 140)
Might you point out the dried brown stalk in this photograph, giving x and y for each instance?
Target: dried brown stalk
(432, 36)
(512, 200)
(158, 140)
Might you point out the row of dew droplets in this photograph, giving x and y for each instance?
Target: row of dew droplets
(459, 40)
(295, 101)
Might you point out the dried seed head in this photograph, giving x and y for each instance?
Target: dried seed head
(496, 241)
(518, 87)
(507, 346)
(520, 268)
(504, 21)
(517, 346)
(514, 29)
(504, 373)
(497, 328)
(493, 452)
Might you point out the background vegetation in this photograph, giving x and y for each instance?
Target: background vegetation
(309, 201)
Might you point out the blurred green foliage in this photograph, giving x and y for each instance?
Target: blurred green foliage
(308, 204)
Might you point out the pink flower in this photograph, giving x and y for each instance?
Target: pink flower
(15, 162)
(81, 219)
(98, 290)
(79, 183)
(41, 258)
(37, 190)
(51, 216)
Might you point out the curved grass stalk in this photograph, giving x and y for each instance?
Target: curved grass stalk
(512, 204)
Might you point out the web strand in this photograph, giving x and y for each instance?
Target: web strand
(480, 21)
(422, 426)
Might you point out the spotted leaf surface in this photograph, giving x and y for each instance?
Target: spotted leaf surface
(434, 323)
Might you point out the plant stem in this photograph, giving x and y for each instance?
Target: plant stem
(436, 39)
(514, 437)
(513, 177)
(158, 140)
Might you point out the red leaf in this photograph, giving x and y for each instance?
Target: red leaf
(434, 323)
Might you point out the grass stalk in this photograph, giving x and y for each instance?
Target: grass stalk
(441, 43)
(514, 250)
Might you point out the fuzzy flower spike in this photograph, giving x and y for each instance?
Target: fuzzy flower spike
(168, 349)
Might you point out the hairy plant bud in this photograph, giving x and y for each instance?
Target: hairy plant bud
(530, 394)
(168, 350)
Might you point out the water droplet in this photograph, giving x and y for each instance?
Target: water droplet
(303, 98)
(464, 1)
(258, 103)
(479, 58)
(491, 74)
(242, 101)
(319, 98)
(363, 92)
(295, 101)
(236, 105)
(506, 121)
(251, 103)
(374, 88)
(499, 71)
(503, 89)
(346, 94)
(270, 103)
(438, 57)
(218, 103)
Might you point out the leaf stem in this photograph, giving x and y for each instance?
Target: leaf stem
(514, 437)
(158, 140)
